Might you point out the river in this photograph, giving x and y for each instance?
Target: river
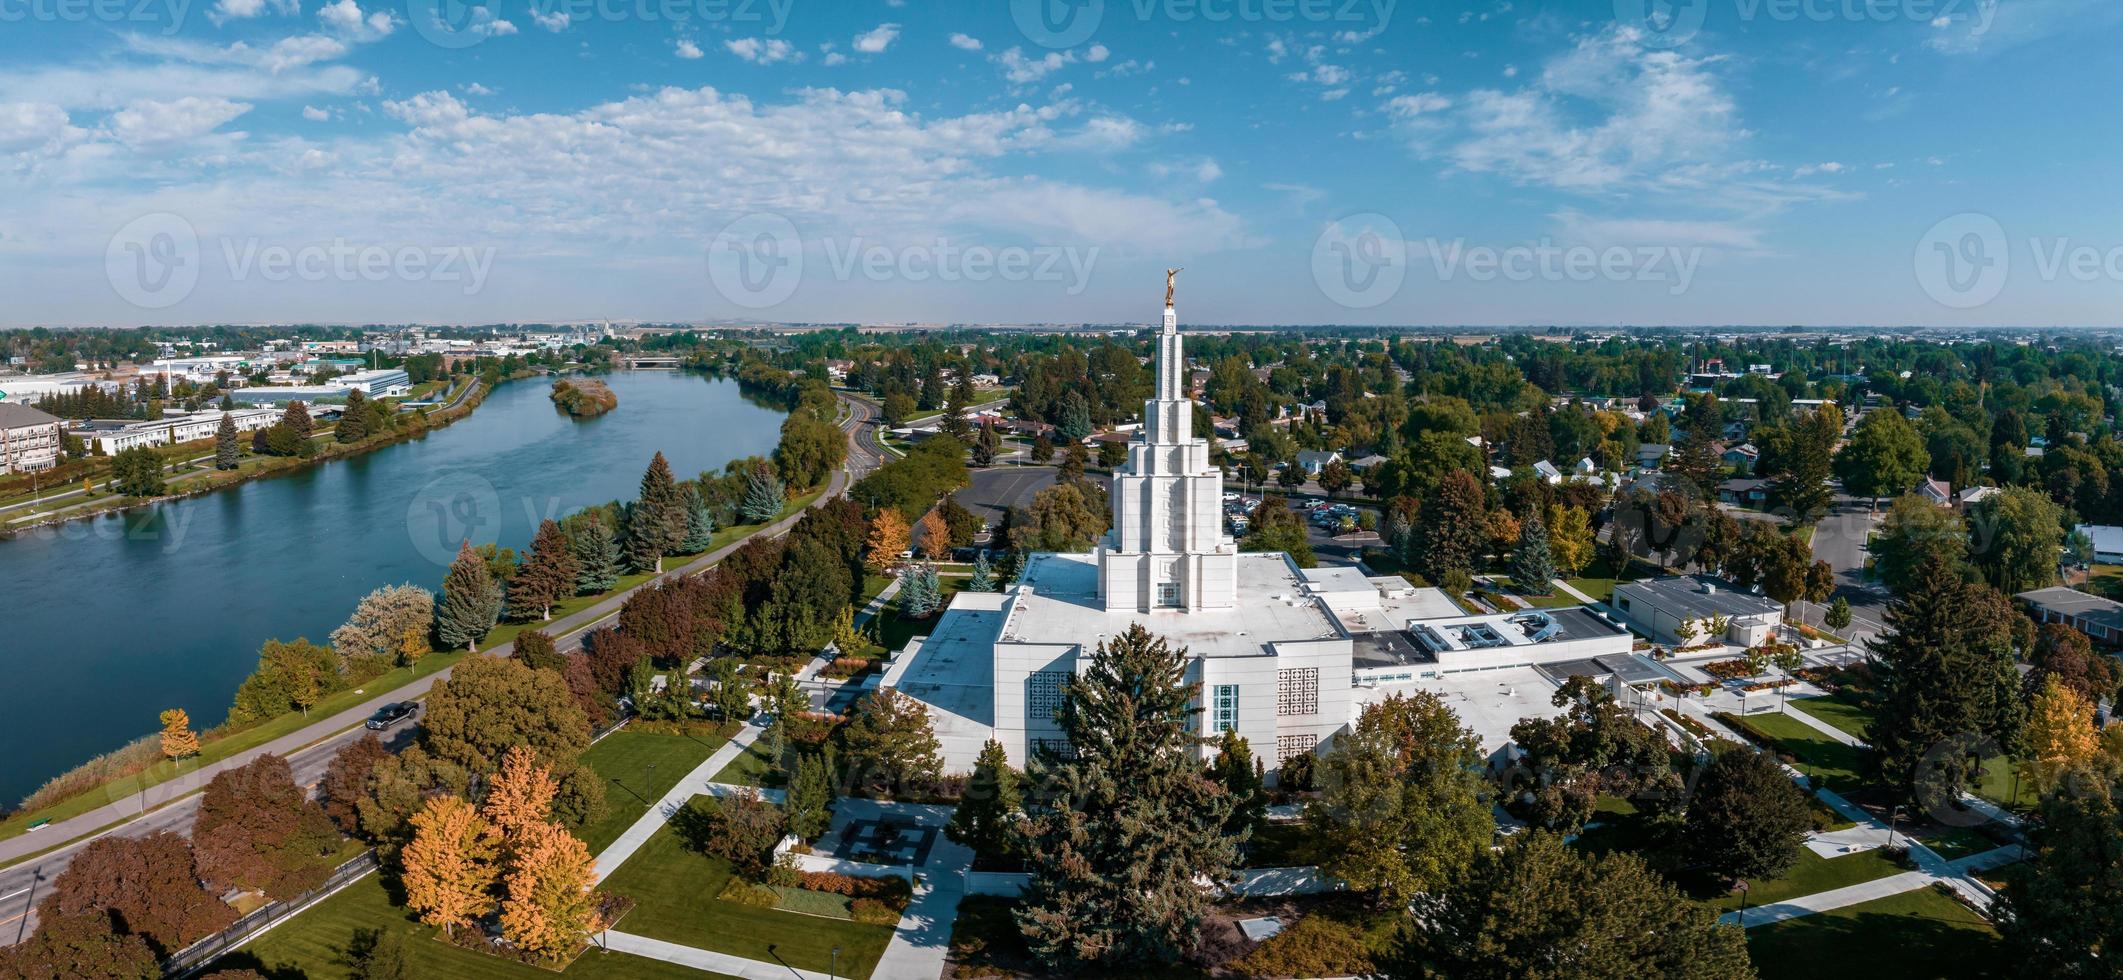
(108, 621)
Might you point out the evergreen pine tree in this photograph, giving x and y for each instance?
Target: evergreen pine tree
(988, 807)
(1946, 681)
(546, 576)
(656, 521)
(1243, 777)
(987, 444)
(1532, 563)
(596, 558)
(764, 496)
(917, 596)
(809, 807)
(1127, 832)
(983, 579)
(700, 525)
(471, 602)
(354, 422)
(297, 417)
(226, 450)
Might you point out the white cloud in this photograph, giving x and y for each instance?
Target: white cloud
(687, 49)
(32, 132)
(477, 89)
(1021, 70)
(1990, 27)
(149, 123)
(314, 114)
(344, 17)
(552, 20)
(1097, 53)
(1106, 134)
(1203, 170)
(1407, 107)
(1808, 170)
(300, 51)
(877, 39)
(759, 51)
(965, 42)
(228, 10)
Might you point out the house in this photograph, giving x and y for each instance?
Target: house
(1313, 460)
(30, 440)
(1649, 455)
(1547, 472)
(1742, 459)
(2098, 618)
(1939, 492)
(1366, 463)
(1744, 492)
(1657, 608)
(2107, 540)
(1734, 431)
(1974, 495)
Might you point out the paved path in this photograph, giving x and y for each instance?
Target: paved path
(701, 959)
(693, 784)
(1575, 594)
(1953, 875)
(1798, 713)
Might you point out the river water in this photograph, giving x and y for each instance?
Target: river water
(105, 622)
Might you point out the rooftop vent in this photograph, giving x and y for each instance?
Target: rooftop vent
(1710, 588)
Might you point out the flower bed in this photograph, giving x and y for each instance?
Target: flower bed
(1728, 669)
(843, 668)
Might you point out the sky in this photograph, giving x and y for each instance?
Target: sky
(1609, 162)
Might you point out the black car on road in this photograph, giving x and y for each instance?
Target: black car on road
(392, 714)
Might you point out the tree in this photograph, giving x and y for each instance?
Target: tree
(808, 809)
(1885, 456)
(596, 558)
(137, 472)
(151, 885)
(521, 798)
(1126, 832)
(935, 537)
(1570, 538)
(256, 830)
(1747, 818)
(536, 650)
(1075, 422)
(84, 946)
(732, 695)
(987, 444)
(346, 780)
(378, 954)
(739, 828)
(890, 744)
(1532, 563)
(1914, 532)
(178, 739)
(987, 811)
(764, 496)
(898, 408)
(656, 523)
(488, 705)
(1042, 449)
(1538, 909)
(354, 420)
(1838, 616)
(297, 418)
(887, 539)
(2062, 912)
(1946, 679)
(983, 578)
(546, 576)
(2060, 732)
(919, 592)
(450, 866)
(227, 453)
(551, 907)
(2014, 539)
(1450, 529)
(1244, 780)
(700, 524)
(1275, 528)
(471, 602)
(1334, 477)
(1402, 807)
(387, 625)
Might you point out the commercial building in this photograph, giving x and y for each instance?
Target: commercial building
(30, 440)
(113, 436)
(386, 383)
(1658, 607)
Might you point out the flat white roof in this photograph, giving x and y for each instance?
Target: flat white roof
(1487, 701)
(1057, 602)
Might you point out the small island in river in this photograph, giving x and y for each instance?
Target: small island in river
(583, 397)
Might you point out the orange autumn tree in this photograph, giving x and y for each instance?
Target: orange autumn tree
(450, 864)
(522, 795)
(178, 739)
(2060, 732)
(935, 535)
(551, 907)
(888, 537)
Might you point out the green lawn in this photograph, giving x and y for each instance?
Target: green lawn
(1829, 762)
(1838, 710)
(1917, 934)
(313, 945)
(638, 768)
(1812, 874)
(753, 767)
(674, 893)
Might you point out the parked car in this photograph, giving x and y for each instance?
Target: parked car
(392, 714)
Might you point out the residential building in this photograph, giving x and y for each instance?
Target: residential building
(1313, 460)
(1742, 458)
(2107, 541)
(1939, 492)
(2101, 619)
(30, 440)
(1658, 607)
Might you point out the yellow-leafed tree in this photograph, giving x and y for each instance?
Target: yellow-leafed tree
(888, 537)
(551, 907)
(935, 535)
(178, 739)
(2060, 732)
(450, 865)
(522, 795)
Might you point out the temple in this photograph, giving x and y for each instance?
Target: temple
(1282, 656)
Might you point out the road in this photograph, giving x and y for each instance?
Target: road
(172, 805)
(1840, 540)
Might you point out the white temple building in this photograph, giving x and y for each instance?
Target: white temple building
(1279, 653)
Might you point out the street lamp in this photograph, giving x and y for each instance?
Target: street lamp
(834, 971)
(1894, 817)
(1744, 888)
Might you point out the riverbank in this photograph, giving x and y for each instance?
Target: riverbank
(79, 505)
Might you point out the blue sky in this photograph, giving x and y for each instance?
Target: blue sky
(1331, 161)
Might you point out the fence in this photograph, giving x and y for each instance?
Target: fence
(191, 958)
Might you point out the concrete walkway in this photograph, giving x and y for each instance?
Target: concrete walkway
(694, 784)
(1798, 713)
(923, 937)
(1953, 874)
(701, 959)
(1564, 587)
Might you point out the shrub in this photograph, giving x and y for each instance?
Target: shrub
(871, 912)
(743, 892)
(1316, 946)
